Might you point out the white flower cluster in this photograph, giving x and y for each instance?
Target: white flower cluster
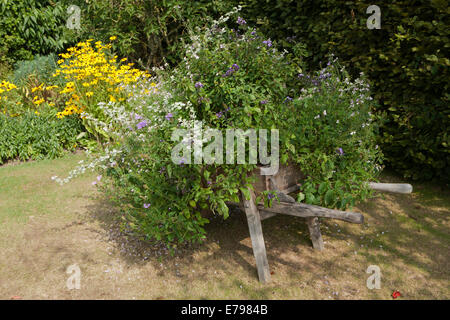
(99, 162)
(226, 17)
(127, 119)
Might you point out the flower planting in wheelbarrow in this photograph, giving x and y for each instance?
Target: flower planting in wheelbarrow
(177, 158)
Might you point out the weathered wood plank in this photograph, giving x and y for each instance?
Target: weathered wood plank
(256, 235)
(307, 210)
(283, 197)
(291, 189)
(314, 232)
(287, 177)
(391, 187)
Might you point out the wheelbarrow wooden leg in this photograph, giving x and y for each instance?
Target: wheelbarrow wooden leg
(313, 222)
(259, 248)
(314, 231)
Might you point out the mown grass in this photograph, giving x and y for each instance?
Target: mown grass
(44, 228)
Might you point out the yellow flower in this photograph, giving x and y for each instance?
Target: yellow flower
(38, 102)
(112, 38)
(89, 94)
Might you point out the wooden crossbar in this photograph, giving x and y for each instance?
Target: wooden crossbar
(287, 205)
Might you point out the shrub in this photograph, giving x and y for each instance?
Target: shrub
(27, 91)
(9, 97)
(5, 70)
(30, 27)
(36, 71)
(32, 136)
(406, 62)
(148, 31)
(234, 79)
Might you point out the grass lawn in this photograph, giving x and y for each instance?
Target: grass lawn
(44, 228)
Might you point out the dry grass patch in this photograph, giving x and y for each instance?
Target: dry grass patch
(45, 228)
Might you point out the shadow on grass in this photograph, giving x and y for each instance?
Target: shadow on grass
(418, 237)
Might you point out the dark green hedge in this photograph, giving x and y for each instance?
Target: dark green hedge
(407, 61)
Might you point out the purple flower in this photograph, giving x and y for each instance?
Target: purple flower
(137, 117)
(169, 116)
(288, 98)
(240, 21)
(219, 114)
(209, 182)
(229, 72)
(268, 43)
(235, 67)
(263, 102)
(270, 196)
(99, 178)
(340, 151)
(146, 205)
(199, 85)
(142, 124)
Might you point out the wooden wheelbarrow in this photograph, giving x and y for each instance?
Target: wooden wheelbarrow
(284, 182)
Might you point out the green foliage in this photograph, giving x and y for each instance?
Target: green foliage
(29, 27)
(406, 61)
(36, 71)
(237, 79)
(5, 70)
(29, 78)
(148, 31)
(36, 137)
(332, 138)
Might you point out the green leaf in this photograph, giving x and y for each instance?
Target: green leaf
(300, 197)
(223, 209)
(322, 187)
(246, 193)
(329, 197)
